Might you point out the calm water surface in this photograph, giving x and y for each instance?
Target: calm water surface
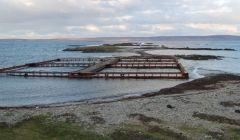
(18, 91)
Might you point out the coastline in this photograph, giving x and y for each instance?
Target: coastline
(180, 89)
(185, 104)
(205, 108)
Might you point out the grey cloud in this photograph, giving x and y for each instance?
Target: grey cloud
(81, 18)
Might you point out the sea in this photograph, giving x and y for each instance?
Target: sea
(32, 91)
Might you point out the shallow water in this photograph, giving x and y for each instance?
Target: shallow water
(17, 91)
(229, 64)
(28, 91)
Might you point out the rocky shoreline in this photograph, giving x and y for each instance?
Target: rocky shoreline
(199, 57)
(200, 109)
(142, 48)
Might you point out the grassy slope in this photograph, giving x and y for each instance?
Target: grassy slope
(41, 128)
(45, 128)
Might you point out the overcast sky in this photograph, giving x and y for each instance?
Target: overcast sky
(107, 18)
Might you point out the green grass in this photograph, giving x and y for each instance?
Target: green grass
(193, 131)
(196, 132)
(43, 128)
(95, 49)
(46, 128)
(233, 133)
(144, 132)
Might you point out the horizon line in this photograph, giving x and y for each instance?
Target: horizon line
(84, 38)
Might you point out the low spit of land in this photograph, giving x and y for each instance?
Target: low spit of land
(138, 47)
(121, 46)
(206, 49)
(101, 48)
(206, 108)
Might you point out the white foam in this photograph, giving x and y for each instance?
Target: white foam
(196, 74)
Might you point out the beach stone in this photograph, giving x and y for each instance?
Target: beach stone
(170, 106)
(237, 111)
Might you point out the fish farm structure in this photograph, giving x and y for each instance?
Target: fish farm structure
(135, 67)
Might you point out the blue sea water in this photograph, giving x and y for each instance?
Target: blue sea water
(19, 91)
(229, 64)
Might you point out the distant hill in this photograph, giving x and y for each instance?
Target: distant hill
(167, 38)
(142, 39)
(212, 37)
